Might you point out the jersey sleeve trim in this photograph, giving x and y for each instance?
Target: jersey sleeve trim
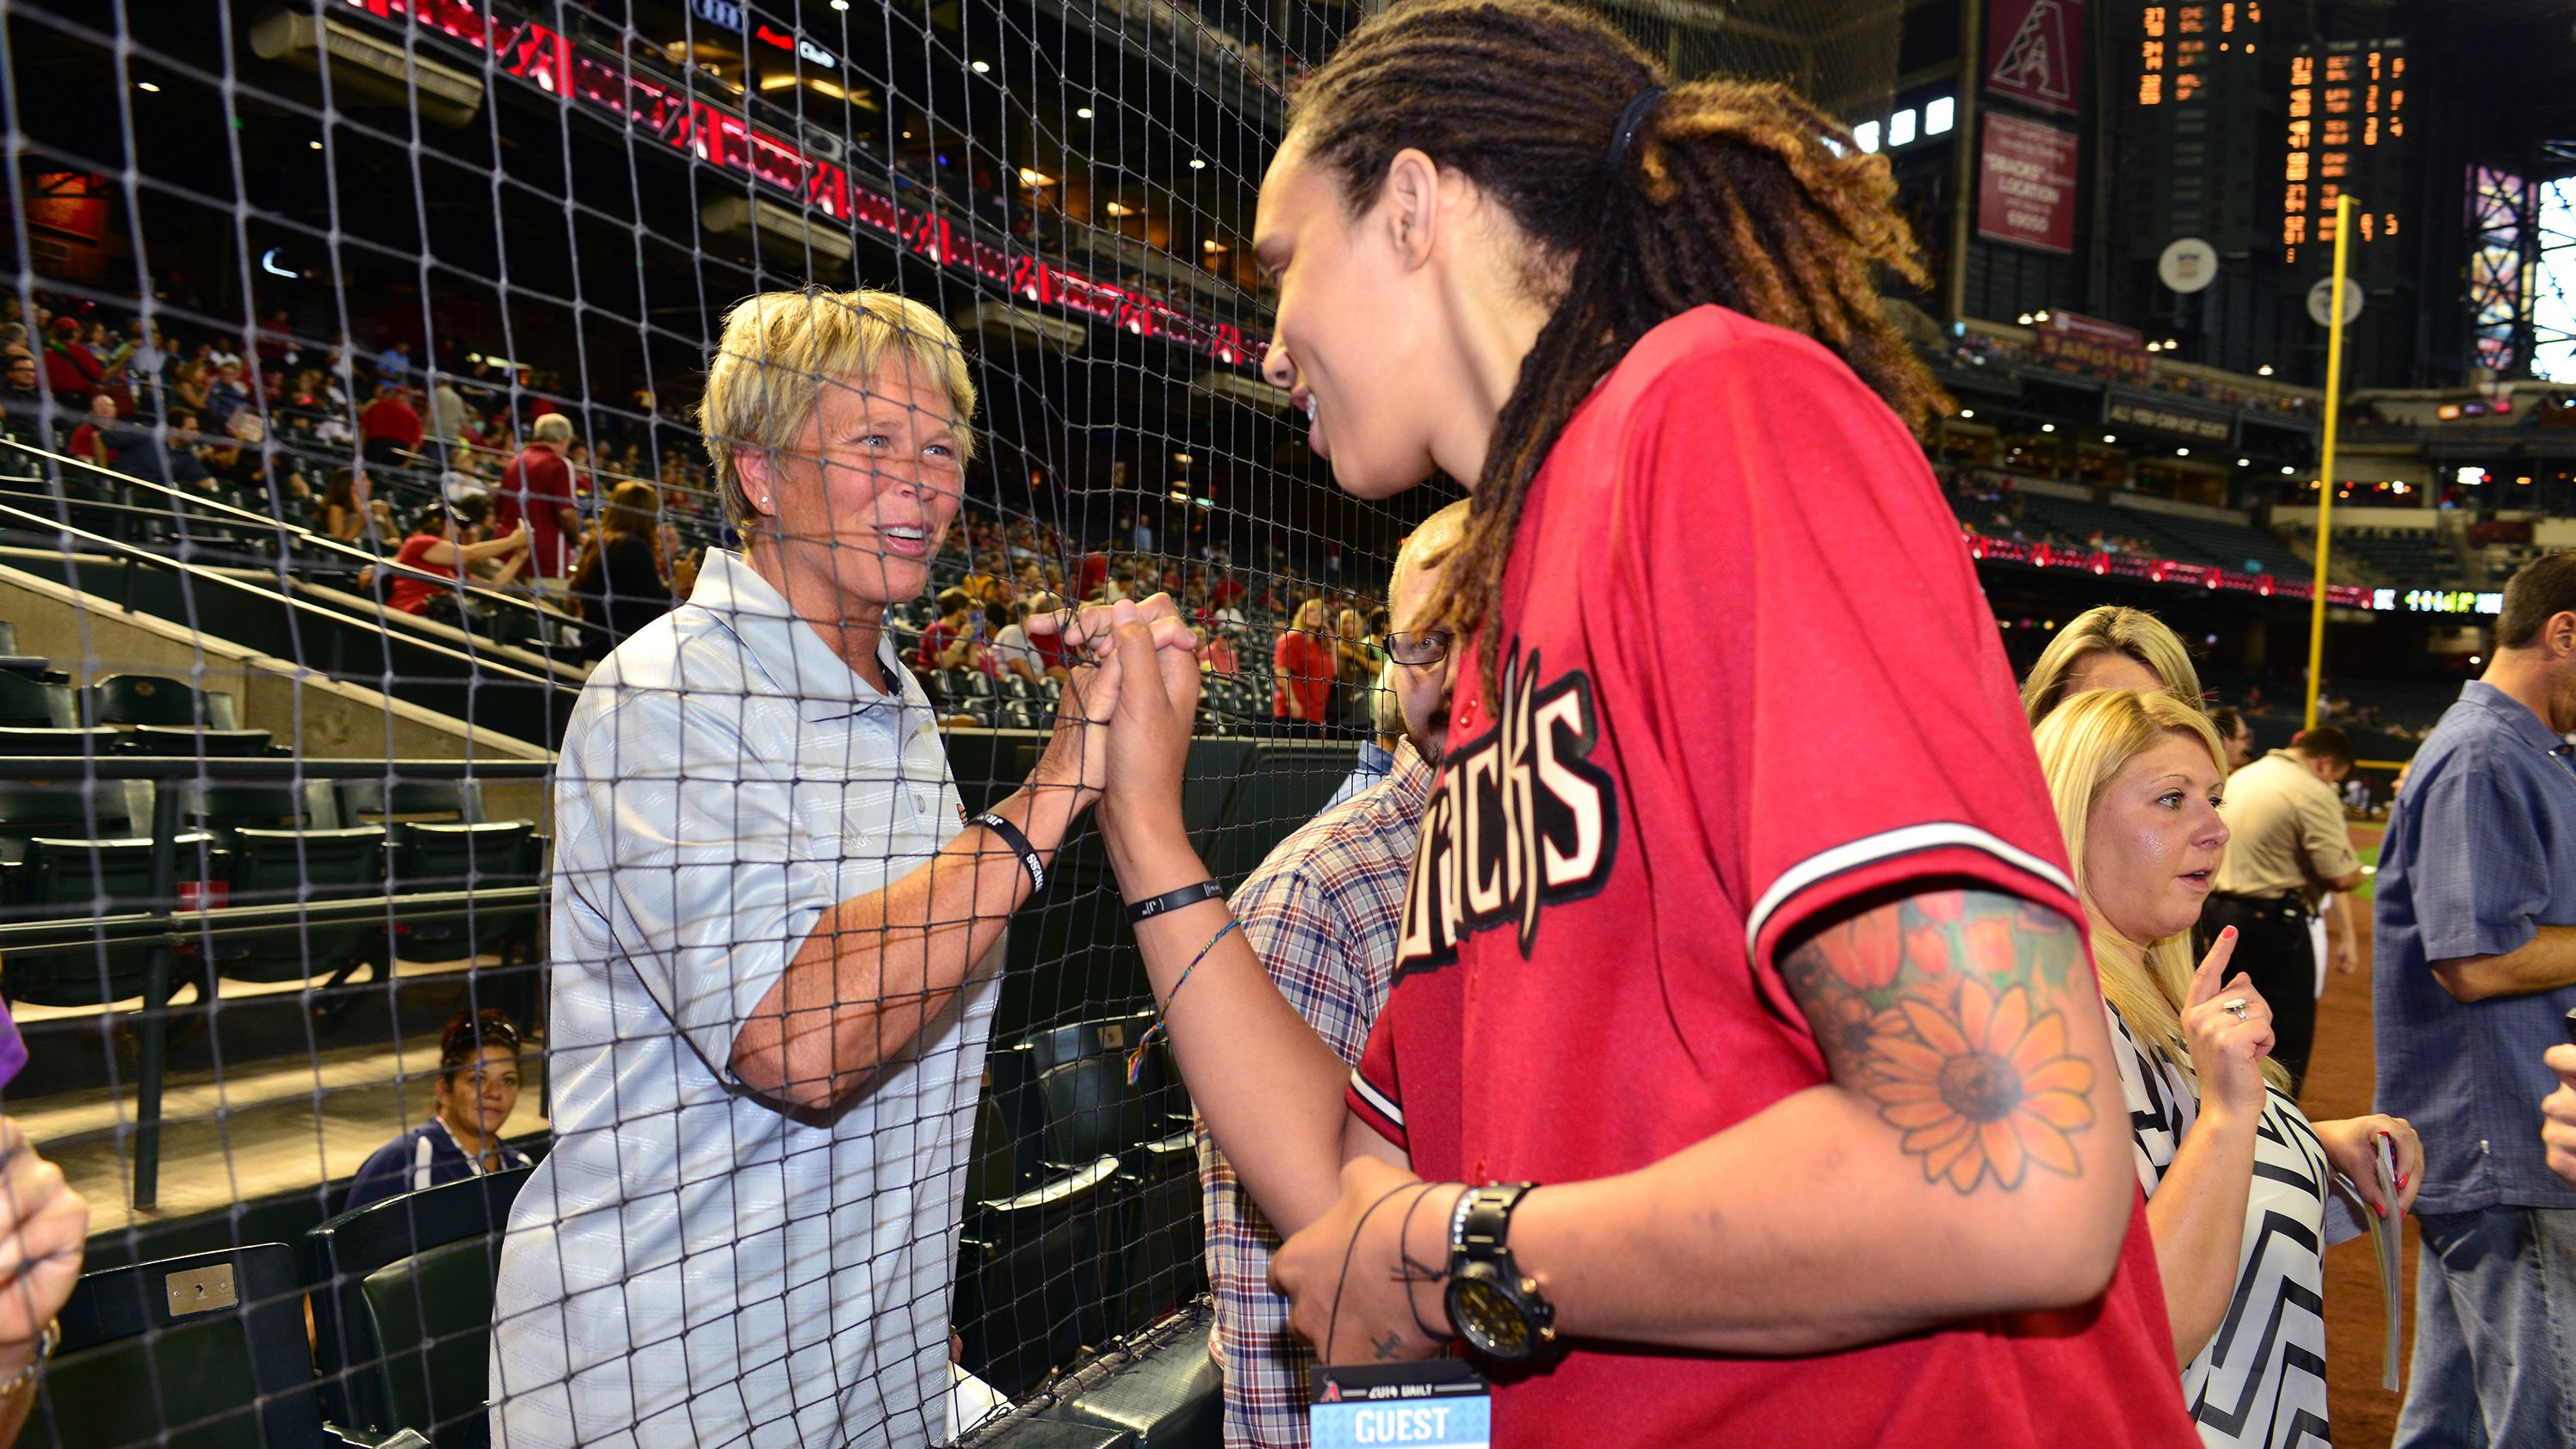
(1383, 1114)
(1870, 850)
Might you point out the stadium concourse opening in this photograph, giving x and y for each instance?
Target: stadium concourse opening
(410, 547)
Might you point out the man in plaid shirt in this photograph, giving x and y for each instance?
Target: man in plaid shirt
(1323, 913)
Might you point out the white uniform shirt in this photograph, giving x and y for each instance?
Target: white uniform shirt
(691, 1265)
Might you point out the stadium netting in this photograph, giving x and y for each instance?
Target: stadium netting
(282, 713)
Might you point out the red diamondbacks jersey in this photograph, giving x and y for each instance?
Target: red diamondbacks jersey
(1750, 678)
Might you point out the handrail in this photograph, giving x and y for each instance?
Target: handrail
(178, 928)
(262, 767)
(295, 534)
(137, 553)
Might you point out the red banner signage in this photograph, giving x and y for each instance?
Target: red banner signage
(2073, 342)
(555, 64)
(2034, 50)
(2026, 184)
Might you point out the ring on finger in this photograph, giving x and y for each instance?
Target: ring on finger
(2239, 1005)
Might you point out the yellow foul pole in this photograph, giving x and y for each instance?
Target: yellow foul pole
(2326, 458)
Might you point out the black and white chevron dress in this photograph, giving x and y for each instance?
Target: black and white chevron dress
(2261, 1382)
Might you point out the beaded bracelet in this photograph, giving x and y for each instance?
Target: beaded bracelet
(1136, 1058)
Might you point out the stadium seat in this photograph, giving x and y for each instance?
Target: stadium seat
(1170, 1397)
(402, 1306)
(445, 856)
(1090, 1109)
(27, 703)
(277, 867)
(1019, 714)
(194, 1352)
(21, 742)
(1030, 1278)
(157, 699)
(1047, 1431)
(63, 878)
(460, 800)
(178, 742)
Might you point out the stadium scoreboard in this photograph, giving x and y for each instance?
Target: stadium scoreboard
(2345, 130)
(2195, 102)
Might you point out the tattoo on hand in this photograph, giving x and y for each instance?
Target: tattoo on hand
(1388, 1346)
(1945, 1009)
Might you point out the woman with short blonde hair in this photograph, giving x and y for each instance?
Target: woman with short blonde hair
(2110, 646)
(2241, 1192)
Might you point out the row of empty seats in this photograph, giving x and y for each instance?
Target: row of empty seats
(82, 847)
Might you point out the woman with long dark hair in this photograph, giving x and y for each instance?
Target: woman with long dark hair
(621, 579)
(1743, 1078)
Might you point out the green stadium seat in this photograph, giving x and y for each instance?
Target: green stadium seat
(27, 703)
(66, 878)
(460, 800)
(402, 1306)
(22, 742)
(1170, 1397)
(158, 699)
(200, 1352)
(276, 867)
(180, 742)
(1030, 1278)
(1047, 1431)
(456, 856)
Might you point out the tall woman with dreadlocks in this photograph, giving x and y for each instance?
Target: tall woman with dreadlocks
(1751, 944)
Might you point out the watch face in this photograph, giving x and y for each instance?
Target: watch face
(1491, 1321)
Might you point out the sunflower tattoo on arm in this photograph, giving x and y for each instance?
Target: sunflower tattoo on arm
(1945, 1010)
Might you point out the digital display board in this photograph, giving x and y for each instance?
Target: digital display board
(2346, 131)
(2196, 102)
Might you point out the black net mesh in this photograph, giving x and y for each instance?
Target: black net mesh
(365, 341)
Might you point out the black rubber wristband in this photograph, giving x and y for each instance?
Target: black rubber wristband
(1019, 843)
(1188, 895)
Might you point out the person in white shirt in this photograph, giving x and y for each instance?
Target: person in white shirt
(775, 943)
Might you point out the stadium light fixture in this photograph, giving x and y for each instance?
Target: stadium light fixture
(2110, 437)
(2040, 315)
(1083, 112)
(1900, 128)
(2244, 462)
(980, 68)
(1211, 246)
(840, 4)
(1865, 135)
(1198, 163)
(313, 145)
(2264, 371)
(1967, 412)
(2182, 452)
(2048, 427)
(2155, 347)
(1939, 114)
(2023, 319)
(1034, 179)
(2288, 471)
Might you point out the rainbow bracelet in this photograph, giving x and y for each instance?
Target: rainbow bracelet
(1136, 1058)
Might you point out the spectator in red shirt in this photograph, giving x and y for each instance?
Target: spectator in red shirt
(537, 488)
(89, 440)
(1743, 1077)
(949, 642)
(438, 547)
(388, 428)
(1303, 663)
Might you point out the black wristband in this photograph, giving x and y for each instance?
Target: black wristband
(1018, 843)
(1188, 895)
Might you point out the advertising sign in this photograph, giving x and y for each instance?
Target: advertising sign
(2026, 184)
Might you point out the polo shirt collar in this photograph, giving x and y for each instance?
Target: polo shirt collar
(2517, 717)
(784, 645)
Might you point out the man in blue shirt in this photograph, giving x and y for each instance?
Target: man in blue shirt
(2474, 969)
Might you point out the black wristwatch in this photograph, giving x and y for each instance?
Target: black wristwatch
(1498, 1312)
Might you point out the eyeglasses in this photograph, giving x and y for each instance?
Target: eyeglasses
(1427, 646)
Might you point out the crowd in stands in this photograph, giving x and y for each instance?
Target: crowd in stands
(470, 472)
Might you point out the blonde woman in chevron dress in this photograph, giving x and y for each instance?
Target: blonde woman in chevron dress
(2242, 1190)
